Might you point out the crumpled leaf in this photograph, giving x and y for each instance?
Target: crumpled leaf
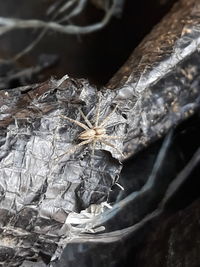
(39, 185)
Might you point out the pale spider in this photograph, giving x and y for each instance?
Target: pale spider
(93, 133)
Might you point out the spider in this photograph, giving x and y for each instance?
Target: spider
(93, 133)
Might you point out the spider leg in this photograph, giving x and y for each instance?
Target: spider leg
(76, 122)
(93, 146)
(98, 110)
(113, 137)
(108, 116)
(111, 145)
(85, 119)
(74, 148)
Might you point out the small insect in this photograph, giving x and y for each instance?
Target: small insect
(93, 133)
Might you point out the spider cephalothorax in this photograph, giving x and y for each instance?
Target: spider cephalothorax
(93, 133)
(96, 133)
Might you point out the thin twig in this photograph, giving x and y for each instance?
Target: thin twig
(8, 24)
